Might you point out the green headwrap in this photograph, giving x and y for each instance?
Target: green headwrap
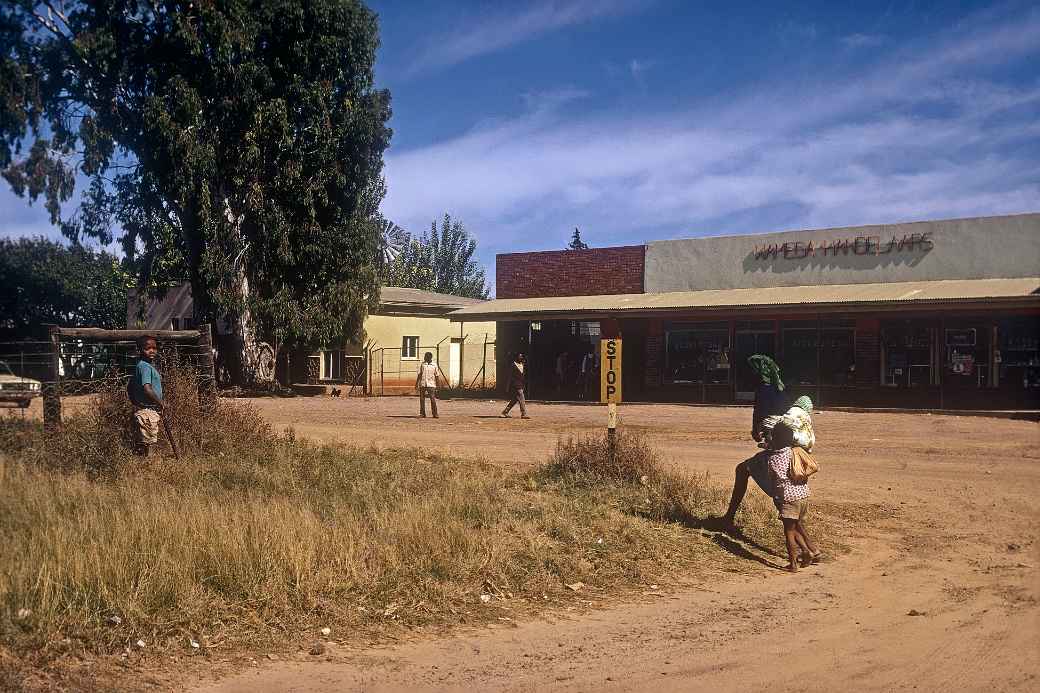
(804, 403)
(767, 368)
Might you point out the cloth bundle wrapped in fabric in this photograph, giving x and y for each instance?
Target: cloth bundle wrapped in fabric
(798, 420)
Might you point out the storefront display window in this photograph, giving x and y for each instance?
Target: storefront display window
(697, 354)
(838, 356)
(907, 355)
(800, 362)
(1018, 353)
(966, 355)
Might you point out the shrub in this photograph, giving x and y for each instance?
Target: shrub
(100, 441)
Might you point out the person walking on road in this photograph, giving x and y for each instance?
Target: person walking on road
(515, 386)
(426, 384)
(770, 400)
(791, 498)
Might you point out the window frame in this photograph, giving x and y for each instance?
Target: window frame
(698, 330)
(407, 346)
(825, 349)
(787, 369)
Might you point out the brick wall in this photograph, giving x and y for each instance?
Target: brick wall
(591, 272)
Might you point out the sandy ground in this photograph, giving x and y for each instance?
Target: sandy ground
(943, 593)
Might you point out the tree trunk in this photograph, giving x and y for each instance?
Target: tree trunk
(241, 344)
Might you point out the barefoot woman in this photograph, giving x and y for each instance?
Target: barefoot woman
(770, 400)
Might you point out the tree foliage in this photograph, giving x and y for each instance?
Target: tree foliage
(47, 282)
(441, 260)
(237, 143)
(576, 242)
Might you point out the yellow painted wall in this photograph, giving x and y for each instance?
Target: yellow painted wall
(389, 368)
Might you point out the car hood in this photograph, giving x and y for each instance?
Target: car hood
(16, 379)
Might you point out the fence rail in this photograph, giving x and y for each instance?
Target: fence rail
(83, 361)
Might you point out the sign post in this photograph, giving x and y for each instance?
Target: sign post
(610, 388)
(610, 371)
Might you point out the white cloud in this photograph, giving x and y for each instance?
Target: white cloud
(922, 134)
(495, 32)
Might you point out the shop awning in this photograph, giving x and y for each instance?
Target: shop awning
(1022, 292)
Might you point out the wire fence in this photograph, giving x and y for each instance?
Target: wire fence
(75, 363)
(462, 365)
(24, 365)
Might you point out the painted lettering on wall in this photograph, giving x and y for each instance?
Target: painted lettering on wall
(860, 245)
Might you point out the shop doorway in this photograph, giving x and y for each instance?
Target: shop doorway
(747, 341)
(557, 359)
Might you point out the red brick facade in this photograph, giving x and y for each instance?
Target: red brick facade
(591, 272)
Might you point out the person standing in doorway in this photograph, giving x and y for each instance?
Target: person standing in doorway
(146, 396)
(770, 400)
(585, 378)
(515, 386)
(562, 360)
(426, 384)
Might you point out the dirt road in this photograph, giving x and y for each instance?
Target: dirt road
(940, 594)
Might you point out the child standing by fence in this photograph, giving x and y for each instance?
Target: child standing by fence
(145, 392)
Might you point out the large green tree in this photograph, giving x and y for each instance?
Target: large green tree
(441, 260)
(48, 282)
(235, 143)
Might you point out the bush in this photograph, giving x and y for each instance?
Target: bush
(588, 460)
(100, 441)
(636, 478)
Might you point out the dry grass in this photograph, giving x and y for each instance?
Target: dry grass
(256, 539)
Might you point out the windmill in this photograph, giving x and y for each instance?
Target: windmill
(392, 240)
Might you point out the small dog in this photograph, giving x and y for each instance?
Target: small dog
(336, 392)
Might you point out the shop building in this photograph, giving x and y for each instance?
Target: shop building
(936, 314)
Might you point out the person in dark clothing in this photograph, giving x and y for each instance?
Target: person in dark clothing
(770, 400)
(515, 386)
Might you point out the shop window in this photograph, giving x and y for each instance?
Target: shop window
(697, 355)
(409, 347)
(907, 356)
(751, 338)
(966, 356)
(187, 323)
(801, 345)
(1018, 353)
(838, 356)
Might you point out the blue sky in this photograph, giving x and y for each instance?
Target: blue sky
(639, 120)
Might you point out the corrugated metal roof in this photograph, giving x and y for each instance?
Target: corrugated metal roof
(399, 296)
(896, 293)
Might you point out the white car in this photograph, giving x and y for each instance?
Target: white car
(15, 388)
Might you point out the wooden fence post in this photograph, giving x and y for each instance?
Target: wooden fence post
(208, 386)
(52, 388)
